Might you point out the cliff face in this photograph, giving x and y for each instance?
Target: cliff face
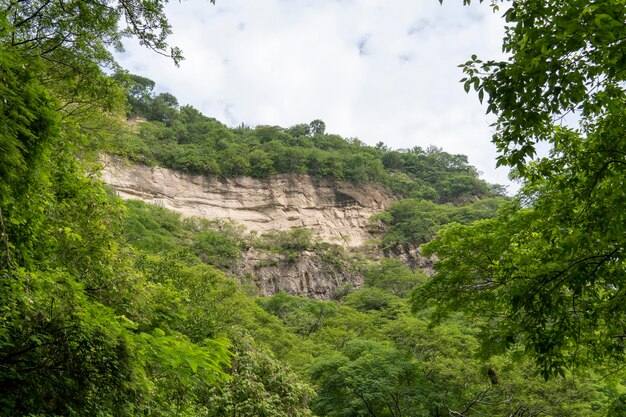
(311, 275)
(337, 211)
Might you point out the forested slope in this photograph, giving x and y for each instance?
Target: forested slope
(180, 137)
(112, 309)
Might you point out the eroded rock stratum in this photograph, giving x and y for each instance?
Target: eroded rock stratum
(337, 211)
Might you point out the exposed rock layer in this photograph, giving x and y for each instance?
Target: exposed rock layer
(337, 211)
(307, 276)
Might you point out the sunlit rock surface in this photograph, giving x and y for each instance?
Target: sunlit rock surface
(337, 211)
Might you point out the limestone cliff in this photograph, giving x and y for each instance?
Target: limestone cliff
(337, 211)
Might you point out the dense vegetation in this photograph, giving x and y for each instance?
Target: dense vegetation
(182, 138)
(413, 221)
(83, 331)
(363, 353)
(549, 271)
(112, 309)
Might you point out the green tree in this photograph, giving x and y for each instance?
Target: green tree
(550, 272)
(393, 276)
(261, 164)
(72, 40)
(368, 379)
(75, 327)
(463, 384)
(76, 324)
(300, 315)
(163, 108)
(84, 30)
(317, 127)
(618, 407)
(261, 386)
(139, 92)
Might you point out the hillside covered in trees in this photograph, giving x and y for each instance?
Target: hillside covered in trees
(126, 309)
(180, 137)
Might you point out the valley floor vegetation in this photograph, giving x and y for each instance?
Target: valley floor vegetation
(126, 309)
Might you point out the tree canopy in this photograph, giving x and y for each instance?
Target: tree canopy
(182, 138)
(81, 326)
(549, 271)
(65, 32)
(125, 309)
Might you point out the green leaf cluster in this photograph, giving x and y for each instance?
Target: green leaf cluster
(157, 230)
(83, 330)
(548, 272)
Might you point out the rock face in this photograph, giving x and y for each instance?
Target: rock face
(337, 211)
(308, 276)
(412, 257)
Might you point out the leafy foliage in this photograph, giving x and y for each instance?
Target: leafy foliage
(82, 31)
(260, 386)
(393, 276)
(413, 221)
(78, 333)
(532, 291)
(157, 230)
(112, 309)
(368, 378)
(549, 271)
(182, 138)
(289, 243)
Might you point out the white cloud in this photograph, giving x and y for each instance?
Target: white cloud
(379, 70)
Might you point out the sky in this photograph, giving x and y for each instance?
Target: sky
(376, 70)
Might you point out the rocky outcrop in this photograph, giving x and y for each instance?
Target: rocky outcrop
(411, 256)
(309, 275)
(337, 211)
